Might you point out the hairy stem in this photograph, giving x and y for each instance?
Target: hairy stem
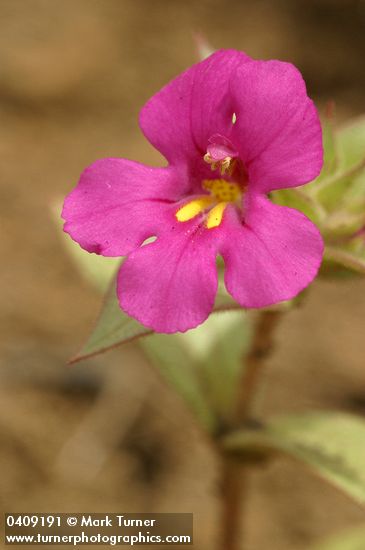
(231, 492)
(234, 474)
(261, 347)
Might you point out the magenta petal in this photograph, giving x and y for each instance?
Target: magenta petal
(277, 131)
(271, 258)
(170, 285)
(118, 203)
(181, 117)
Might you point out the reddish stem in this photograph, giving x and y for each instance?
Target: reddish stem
(234, 474)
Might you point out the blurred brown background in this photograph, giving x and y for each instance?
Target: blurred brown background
(106, 435)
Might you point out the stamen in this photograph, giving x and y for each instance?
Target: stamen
(215, 215)
(209, 160)
(226, 164)
(193, 208)
(221, 194)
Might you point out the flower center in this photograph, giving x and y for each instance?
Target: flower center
(221, 193)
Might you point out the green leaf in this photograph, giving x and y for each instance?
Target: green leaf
(203, 364)
(337, 192)
(351, 142)
(353, 539)
(332, 445)
(223, 363)
(349, 261)
(170, 356)
(297, 198)
(113, 327)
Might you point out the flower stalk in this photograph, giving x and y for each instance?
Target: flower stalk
(261, 347)
(233, 488)
(235, 474)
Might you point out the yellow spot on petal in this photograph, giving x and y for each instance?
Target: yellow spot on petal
(223, 190)
(212, 206)
(193, 208)
(214, 218)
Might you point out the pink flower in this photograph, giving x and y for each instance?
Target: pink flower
(232, 129)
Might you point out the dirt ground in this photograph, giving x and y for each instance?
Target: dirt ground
(106, 435)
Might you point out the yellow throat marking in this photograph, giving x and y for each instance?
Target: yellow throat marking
(221, 193)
